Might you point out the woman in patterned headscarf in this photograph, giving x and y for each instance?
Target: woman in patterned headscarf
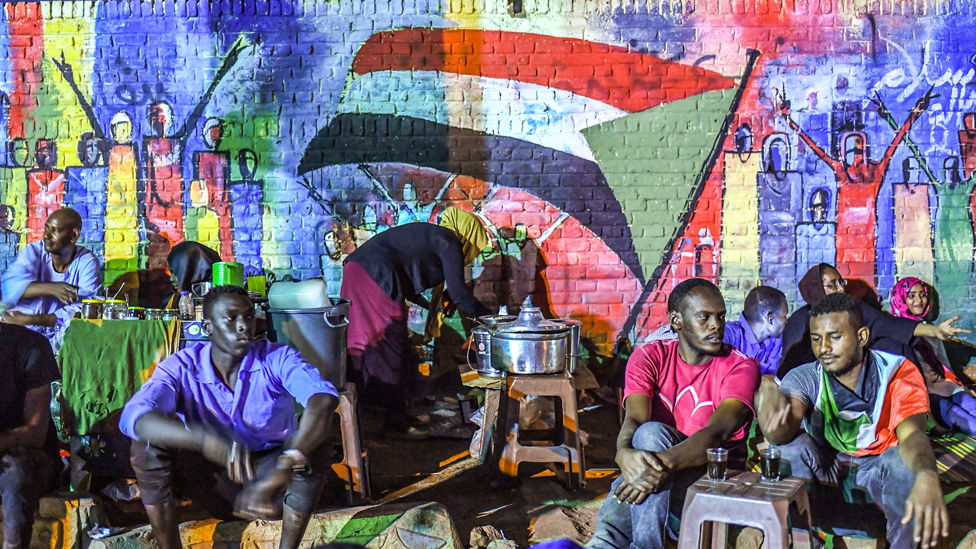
(951, 403)
(395, 266)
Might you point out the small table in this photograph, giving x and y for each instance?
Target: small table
(744, 498)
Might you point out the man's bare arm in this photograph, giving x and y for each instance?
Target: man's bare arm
(730, 416)
(780, 417)
(925, 504)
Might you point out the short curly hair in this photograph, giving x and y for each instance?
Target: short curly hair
(216, 293)
(676, 301)
(840, 303)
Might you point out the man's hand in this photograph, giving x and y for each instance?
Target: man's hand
(774, 407)
(643, 473)
(926, 507)
(231, 455)
(262, 499)
(62, 291)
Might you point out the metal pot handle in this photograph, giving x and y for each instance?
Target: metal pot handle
(342, 324)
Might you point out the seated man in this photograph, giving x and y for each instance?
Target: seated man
(44, 286)
(681, 397)
(758, 333)
(863, 412)
(29, 461)
(207, 410)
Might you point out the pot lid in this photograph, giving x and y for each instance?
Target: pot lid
(531, 321)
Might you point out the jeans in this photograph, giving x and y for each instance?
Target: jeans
(884, 477)
(25, 476)
(158, 470)
(621, 525)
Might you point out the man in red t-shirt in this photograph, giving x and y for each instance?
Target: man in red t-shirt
(681, 397)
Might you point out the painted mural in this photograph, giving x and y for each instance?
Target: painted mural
(612, 151)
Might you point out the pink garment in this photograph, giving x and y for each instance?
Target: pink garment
(899, 295)
(685, 396)
(378, 341)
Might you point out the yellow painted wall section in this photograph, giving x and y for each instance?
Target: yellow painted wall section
(13, 185)
(121, 208)
(740, 229)
(69, 30)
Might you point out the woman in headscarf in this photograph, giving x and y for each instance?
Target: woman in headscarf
(888, 333)
(189, 263)
(951, 403)
(393, 267)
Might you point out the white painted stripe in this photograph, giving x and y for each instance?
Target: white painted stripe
(548, 117)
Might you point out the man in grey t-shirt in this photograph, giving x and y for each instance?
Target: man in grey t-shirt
(862, 413)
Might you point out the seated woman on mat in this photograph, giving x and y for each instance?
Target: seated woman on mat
(952, 404)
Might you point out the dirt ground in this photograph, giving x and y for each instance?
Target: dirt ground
(533, 507)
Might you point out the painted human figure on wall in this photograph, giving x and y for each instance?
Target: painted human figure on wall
(858, 181)
(45, 188)
(211, 168)
(913, 224)
(85, 193)
(122, 204)
(247, 198)
(15, 186)
(815, 236)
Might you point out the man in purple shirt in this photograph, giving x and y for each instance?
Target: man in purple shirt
(218, 421)
(43, 288)
(758, 333)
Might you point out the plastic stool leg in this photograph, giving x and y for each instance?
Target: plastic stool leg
(488, 418)
(690, 536)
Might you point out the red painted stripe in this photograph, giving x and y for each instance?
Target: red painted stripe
(26, 50)
(625, 79)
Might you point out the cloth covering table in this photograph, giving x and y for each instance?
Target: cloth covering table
(103, 363)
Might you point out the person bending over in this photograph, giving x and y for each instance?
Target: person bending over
(218, 421)
(44, 286)
(759, 330)
(681, 397)
(859, 412)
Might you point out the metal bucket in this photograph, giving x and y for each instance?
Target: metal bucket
(481, 341)
(319, 335)
(572, 344)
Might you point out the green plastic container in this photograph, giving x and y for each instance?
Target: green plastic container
(228, 273)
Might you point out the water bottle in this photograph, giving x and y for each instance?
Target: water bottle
(186, 306)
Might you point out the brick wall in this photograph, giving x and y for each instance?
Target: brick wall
(613, 148)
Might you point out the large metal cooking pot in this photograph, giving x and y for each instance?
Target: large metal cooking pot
(530, 345)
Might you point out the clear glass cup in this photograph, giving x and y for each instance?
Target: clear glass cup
(769, 460)
(718, 461)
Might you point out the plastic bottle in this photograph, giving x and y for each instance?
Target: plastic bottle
(186, 306)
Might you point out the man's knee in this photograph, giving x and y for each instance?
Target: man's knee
(654, 436)
(22, 470)
(894, 468)
(800, 456)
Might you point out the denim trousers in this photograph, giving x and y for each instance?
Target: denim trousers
(644, 526)
(884, 477)
(26, 474)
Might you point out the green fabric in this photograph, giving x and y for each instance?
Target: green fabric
(103, 363)
(839, 432)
